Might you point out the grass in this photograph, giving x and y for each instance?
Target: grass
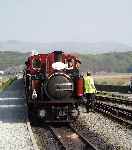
(6, 82)
(113, 79)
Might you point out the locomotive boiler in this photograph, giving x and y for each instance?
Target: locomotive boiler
(53, 86)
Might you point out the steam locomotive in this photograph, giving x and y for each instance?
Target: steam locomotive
(53, 86)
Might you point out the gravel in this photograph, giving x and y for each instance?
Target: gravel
(103, 132)
(14, 137)
(45, 139)
(14, 134)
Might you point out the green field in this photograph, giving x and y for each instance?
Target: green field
(5, 81)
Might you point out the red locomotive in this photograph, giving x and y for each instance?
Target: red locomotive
(53, 86)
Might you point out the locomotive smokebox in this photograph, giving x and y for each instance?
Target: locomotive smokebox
(59, 87)
(58, 56)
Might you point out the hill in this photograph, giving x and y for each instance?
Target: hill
(9, 58)
(107, 62)
(81, 47)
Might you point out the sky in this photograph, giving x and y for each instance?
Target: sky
(66, 20)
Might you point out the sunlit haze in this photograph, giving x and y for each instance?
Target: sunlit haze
(66, 20)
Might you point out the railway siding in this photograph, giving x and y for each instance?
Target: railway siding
(115, 98)
(117, 106)
(103, 132)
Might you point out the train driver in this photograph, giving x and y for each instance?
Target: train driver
(70, 64)
(77, 63)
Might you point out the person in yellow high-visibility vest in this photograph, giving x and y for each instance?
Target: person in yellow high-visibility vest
(89, 91)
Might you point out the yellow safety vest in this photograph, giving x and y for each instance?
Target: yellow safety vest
(89, 85)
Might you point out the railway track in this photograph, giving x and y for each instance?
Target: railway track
(61, 138)
(119, 98)
(70, 139)
(45, 139)
(119, 112)
(67, 138)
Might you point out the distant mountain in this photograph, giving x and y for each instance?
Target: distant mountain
(81, 47)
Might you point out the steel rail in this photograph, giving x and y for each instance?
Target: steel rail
(60, 142)
(119, 113)
(114, 100)
(87, 144)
